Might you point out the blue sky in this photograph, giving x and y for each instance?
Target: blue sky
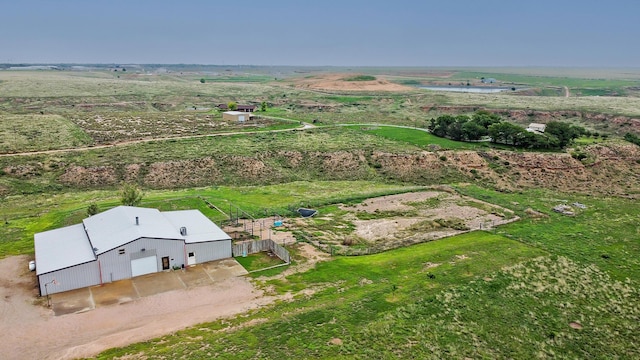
(583, 33)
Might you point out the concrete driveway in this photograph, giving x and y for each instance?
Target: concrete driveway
(124, 291)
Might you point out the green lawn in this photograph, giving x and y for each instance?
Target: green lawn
(258, 261)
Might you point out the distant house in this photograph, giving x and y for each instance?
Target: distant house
(125, 242)
(488, 80)
(236, 116)
(241, 108)
(536, 128)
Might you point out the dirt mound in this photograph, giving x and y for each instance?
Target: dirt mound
(89, 176)
(340, 82)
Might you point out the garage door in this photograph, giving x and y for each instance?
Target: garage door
(145, 265)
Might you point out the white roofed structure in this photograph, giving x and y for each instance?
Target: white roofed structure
(124, 242)
(61, 248)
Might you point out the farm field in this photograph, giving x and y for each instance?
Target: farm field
(461, 254)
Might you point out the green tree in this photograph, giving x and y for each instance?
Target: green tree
(131, 195)
(92, 209)
(505, 133)
(473, 131)
(485, 118)
(564, 132)
(232, 105)
(263, 106)
(202, 81)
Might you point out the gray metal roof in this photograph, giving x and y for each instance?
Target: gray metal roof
(116, 227)
(199, 227)
(61, 248)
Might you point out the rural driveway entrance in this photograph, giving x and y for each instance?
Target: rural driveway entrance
(115, 314)
(125, 291)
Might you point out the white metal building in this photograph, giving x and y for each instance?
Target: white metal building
(236, 116)
(125, 242)
(536, 128)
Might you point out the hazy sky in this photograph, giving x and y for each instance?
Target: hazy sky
(584, 33)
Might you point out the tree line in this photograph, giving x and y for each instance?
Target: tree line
(482, 124)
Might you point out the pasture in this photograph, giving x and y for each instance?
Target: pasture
(547, 285)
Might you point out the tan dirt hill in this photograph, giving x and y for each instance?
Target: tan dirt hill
(337, 82)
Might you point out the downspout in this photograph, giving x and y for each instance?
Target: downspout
(100, 270)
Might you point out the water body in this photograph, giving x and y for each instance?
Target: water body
(467, 89)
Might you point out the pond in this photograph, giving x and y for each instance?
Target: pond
(467, 89)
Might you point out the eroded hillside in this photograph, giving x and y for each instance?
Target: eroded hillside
(611, 169)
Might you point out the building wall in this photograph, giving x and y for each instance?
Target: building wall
(116, 266)
(210, 250)
(75, 277)
(235, 118)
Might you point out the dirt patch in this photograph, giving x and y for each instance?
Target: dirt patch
(399, 220)
(337, 82)
(575, 325)
(535, 214)
(395, 202)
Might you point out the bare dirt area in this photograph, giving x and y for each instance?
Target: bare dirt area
(339, 82)
(399, 220)
(33, 331)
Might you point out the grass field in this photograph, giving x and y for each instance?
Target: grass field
(539, 287)
(39, 132)
(539, 80)
(421, 138)
(546, 286)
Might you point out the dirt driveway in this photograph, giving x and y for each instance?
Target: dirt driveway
(116, 314)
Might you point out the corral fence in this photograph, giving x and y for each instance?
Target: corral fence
(255, 246)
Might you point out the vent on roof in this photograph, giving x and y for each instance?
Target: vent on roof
(137, 221)
(183, 231)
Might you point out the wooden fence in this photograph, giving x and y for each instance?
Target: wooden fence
(255, 246)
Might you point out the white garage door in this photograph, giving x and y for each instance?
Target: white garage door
(145, 265)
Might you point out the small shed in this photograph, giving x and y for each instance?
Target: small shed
(236, 116)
